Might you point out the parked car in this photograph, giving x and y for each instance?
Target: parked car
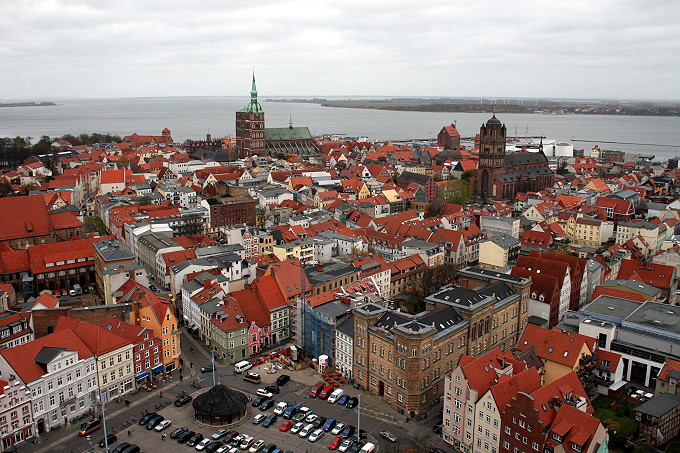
(269, 448)
(326, 392)
(344, 446)
(316, 435)
(335, 396)
(224, 448)
(343, 399)
(246, 442)
(285, 426)
(177, 431)
(280, 408)
(194, 440)
(264, 392)
(162, 425)
(388, 435)
(338, 428)
(437, 429)
(259, 400)
(435, 450)
(329, 424)
(297, 427)
(213, 446)
(202, 444)
(266, 404)
(185, 436)
(316, 389)
(319, 422)
(207, 369)
(230, 436)
(257, 446)
(154, 421)
(311, 417)
(306, 431)
(301, 413)
(348, 431)
(120, 447)
(352, 402)
(259, 418)
(145, 419)
(272, 388)
(110, 440)
(269, 421)
(220, 433)
(282, 380)
(335, 443)
(182, 400)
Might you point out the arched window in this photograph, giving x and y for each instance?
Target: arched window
(474, 331)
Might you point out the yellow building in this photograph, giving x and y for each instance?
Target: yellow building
(302, 249)
(560, 351)
(158, 314)
(589, 232)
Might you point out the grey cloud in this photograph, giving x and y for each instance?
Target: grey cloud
(577, 48)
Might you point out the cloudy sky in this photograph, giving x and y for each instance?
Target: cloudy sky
(530, 48)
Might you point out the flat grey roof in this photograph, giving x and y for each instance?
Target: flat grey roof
(635, 285)
(659, 405)
(611, 306)
(658, 316)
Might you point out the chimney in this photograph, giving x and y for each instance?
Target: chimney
(319, 267)
(135, 314)
(206, 283)
(254, 286)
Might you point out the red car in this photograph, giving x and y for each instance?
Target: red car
(335, 443)
(285, 426)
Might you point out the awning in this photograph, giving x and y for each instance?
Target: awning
(158, 369)
(142, 376)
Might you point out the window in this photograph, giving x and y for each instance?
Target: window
(508, 430)
(534, 445)
(576, 447)
(506, 445)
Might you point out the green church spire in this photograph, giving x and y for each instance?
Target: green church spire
(253, 106)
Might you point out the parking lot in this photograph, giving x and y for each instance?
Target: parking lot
(150, 441)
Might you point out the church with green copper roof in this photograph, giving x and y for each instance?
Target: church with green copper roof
(252, 138)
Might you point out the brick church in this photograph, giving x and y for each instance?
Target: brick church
(501, 175)
(252, 138)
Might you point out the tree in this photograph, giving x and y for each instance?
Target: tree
(95, 224)
(436, 207)
(144, 200)
(467, 175)
(357, 254)
(262, 216)
(44, 145)
(456, 191)
(190, 225)
(430, 280)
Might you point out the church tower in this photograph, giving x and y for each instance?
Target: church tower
(492, 144)
(492, 137)
(250, 127)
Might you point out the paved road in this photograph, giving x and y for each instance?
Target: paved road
(373, 419)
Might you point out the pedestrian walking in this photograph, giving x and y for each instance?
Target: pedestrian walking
(191, 350)
(160, 393)
(191, 364)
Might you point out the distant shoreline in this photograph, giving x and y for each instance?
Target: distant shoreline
(28, 104)
(466, 106)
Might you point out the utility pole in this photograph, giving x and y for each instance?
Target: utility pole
(359, 418)
(214, 371)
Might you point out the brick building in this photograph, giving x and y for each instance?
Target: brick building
(449, 137)
(404, 358)
(230, 211)
(59, 266)
(250, 139)
(26, 222)
(500, 175)
(147, 346)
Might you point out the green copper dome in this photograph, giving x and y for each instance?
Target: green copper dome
(253, 106)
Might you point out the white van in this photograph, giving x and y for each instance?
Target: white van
(337, 393)
(242, 366)
(368, 448)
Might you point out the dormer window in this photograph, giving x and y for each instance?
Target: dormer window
(575, 447)
(556, 437)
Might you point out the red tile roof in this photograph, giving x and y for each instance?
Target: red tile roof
(481, 371)
(555, 345)
(22, 358)
(658, 275)
(668, 367)
(575, 427)
(23, 217)
(526, 381)
(97, 339)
